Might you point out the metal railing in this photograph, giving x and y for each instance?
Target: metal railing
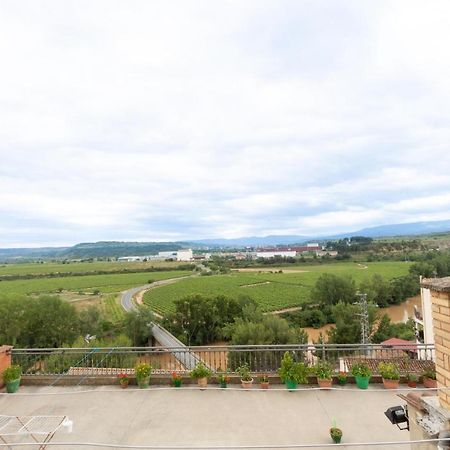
(261, 358)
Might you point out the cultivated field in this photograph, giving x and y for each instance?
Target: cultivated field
(273, 291)
(51, 267)
(88, 283)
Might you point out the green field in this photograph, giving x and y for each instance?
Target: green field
(104, 283)
(51, 267)
(272, 291)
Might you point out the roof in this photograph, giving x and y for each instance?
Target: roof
(436, 284)
(401, 344)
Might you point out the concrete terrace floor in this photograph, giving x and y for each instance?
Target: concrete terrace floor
(189, 416)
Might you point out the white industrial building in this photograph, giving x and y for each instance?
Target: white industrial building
(286, 253)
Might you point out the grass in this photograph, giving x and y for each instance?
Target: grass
(272, 291)
(103, 283)
(112, 308)
(52, 267)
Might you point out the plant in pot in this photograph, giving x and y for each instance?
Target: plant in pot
(292, 373)
(390, 374)
(176, 380)
(336, 434)
(246, 377)
(11, 378)
(201, 373)
(412, 379)
(143, 372)
(342, 378)
(264, 381)
(324, 374)
(223, 379)
(124, 380)
(362, 374)
(429, 377)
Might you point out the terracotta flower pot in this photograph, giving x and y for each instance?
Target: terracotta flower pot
(430, 383)
(124, 385)
(264, 385)
(202, 382)
(412, 384)
(325, 384)
(390, 384)
(247, 384)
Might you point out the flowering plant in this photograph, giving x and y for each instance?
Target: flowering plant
(123, 378)
(176, 376)
(223, 378)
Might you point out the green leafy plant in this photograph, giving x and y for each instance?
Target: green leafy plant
(361, 370)
(293, 371)
(200, 371)
(124, 378)
(323, 370)
(412, 377)
(389, 371)
(142, 370)
(244, 372)
(342, 378)
(264, 378)
(430, 372)
(12, 373)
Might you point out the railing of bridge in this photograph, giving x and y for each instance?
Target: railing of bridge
(261, 358)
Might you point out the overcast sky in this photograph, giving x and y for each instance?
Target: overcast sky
(170, 120)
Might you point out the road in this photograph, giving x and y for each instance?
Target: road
(166, 339)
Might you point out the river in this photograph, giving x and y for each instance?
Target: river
(397, 313)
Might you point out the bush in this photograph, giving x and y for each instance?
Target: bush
(244, 372)
(293, 371)
(323, 370)
(361, 370)
(200, 371)
(389, 371)
(12, 373)
(142, 370)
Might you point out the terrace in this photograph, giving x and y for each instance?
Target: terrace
(82, 385)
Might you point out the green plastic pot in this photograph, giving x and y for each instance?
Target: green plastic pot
(177, 383)
(12, 386)
(291, 385)
(223, 384)
(143, 383)
(362, 382)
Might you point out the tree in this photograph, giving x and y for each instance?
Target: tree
(13, 311)
(331, 289)
(137, 325)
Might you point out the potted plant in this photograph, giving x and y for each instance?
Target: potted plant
(412, 379)
(176, 380)
(324, 372)
(429, 377)
(292, 373)
(142, 372)
(223, 379)
(264, 381)
(11, 377)
(201, 373)
(342, 378)
(362, 374)
(336, 434)
(124, 380)
(390, 374)
(246, 378)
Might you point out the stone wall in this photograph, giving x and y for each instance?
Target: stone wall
(440, 305)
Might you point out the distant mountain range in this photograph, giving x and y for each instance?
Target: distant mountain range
(116, 249)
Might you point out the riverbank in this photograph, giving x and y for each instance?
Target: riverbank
(397, 314)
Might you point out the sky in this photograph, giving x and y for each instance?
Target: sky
(173, 120)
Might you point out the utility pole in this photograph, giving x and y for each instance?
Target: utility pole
(364, 316)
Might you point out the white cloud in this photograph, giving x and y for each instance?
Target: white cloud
(156, 120)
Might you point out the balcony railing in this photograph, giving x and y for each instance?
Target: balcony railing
(261, 358)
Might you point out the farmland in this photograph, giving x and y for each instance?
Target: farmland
(272, 291)
(103, 283)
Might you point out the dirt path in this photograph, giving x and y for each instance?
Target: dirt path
(285, 310)
(269, 269)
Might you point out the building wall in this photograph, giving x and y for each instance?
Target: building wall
(184, 255)
(283, 254)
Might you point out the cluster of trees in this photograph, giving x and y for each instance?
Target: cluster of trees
(48, 321)
(200, 320)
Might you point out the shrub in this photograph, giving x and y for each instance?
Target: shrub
(389, 371)
(12, 373)
(244, 372)
(323, 370)
(200, 371)
(142, 370)
(430, 372)
(361, 370)
(293, 371)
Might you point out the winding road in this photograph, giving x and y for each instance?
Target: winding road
(166, 339)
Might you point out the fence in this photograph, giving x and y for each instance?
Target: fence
(261, 358)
